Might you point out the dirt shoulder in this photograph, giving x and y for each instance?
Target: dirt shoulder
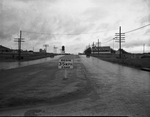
(42, 84)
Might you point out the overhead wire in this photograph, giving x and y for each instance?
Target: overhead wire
(131, 31)
(137, 28)
(86, 33)
(107, 41)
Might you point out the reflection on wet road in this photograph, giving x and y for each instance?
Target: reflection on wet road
(113, 90)
(121, 89)
(10, 65)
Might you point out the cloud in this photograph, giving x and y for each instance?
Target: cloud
(95, 14)
(147, 32)
(72, 17)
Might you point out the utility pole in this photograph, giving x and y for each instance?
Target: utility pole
(46, 45)
(120, 38)
(93, 44)
(120, 41)
(93, 48)
(143, 48)
(55, 49)
(113, 43)
(19, 40)
(98, 46)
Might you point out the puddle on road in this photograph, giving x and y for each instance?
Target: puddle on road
(11, 65)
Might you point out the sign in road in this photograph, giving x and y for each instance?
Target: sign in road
(65, 64)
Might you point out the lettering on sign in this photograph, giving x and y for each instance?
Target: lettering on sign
(65, 64)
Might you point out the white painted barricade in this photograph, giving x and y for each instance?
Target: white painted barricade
(65, 64)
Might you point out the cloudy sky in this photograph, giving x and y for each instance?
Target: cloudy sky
(74, 23)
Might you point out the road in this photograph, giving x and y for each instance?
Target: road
(113, 90)
(118, 88)
(11, 65)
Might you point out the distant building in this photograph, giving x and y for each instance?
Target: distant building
(42, 51)
(30, 52)
(122, 51)
(4, 49)
(80, 53)
(101, 50)
(15, 51)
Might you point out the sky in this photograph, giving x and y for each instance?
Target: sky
(75, 24)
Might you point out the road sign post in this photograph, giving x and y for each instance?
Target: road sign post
(65, 74)
(65, 64)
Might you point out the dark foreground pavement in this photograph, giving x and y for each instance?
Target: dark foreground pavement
(94, 87)
(41, 84)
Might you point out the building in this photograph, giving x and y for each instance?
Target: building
(42, 51)
(4, 49)
(122, 51)
(101, 50)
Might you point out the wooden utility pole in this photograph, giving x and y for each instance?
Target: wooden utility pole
(55, 49)
(143, 48)
(120, 38)
(120, 42)
(98, 46)
(93, 44)
(19, 40)
(46, 45)
(113, 43)
(92, 48)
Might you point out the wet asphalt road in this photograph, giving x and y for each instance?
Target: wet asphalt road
(11, 65)
(114, 90)
(119, 89)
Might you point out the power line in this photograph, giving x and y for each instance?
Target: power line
(83, 33)
(137, 28)
(130, 31)
(107, 41)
